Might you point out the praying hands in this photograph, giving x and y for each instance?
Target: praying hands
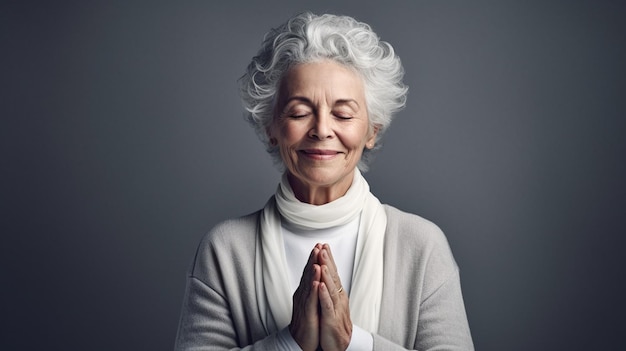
(321, 313)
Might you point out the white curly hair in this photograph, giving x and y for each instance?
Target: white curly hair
(309, 38)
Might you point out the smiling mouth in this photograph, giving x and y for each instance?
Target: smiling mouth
(318, 154)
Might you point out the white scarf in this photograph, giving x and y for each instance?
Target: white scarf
(271, 275)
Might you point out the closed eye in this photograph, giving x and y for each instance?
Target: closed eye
(343, 116)
(298, 115)
(298, 110)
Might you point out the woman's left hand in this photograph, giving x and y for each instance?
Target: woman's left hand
(335, 323)
(304, 326)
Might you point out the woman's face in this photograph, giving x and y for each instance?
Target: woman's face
(321, 127)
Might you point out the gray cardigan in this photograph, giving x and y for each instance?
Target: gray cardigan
(422, 306)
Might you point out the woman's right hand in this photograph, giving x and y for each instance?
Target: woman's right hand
(305, 322)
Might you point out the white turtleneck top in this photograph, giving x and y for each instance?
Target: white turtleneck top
(342, 241)
(300, 242)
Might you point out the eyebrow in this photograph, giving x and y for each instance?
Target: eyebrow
(308, 101)
(347, 102)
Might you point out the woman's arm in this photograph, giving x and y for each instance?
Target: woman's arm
(422, 307)
(442, 323)
(206, 322)
(219, 310)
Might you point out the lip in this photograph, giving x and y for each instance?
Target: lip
(319, 154)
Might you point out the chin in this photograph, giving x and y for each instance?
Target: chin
(322, 177)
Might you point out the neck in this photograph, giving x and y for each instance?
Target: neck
(318, 194)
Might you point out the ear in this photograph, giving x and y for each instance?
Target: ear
(272, 140)
(371, 140)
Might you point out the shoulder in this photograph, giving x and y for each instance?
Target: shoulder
(230, 242)
(404, 226)
(417, 241)
(232, 231)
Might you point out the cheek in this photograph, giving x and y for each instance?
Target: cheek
(356, 140)
(291, 134)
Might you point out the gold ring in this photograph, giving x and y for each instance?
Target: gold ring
(340, 290)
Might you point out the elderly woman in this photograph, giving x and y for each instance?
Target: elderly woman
(324, 265)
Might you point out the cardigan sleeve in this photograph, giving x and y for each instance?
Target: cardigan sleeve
(218, 310)
(423, 306)
(442, 323)
(205, 322)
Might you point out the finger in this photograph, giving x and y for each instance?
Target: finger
(313, 257)
(311, 304)
(308, 271)
(335, 323)
(333, 284)
(311, 273)
(327, 305)
(326, 256)
(311, 297)
(304, 326)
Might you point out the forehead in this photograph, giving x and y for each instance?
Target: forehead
(322, 77)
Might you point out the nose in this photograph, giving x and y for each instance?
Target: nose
(321, 128)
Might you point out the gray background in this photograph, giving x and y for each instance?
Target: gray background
(123, 142)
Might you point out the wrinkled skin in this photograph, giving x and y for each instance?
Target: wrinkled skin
(321, 313)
